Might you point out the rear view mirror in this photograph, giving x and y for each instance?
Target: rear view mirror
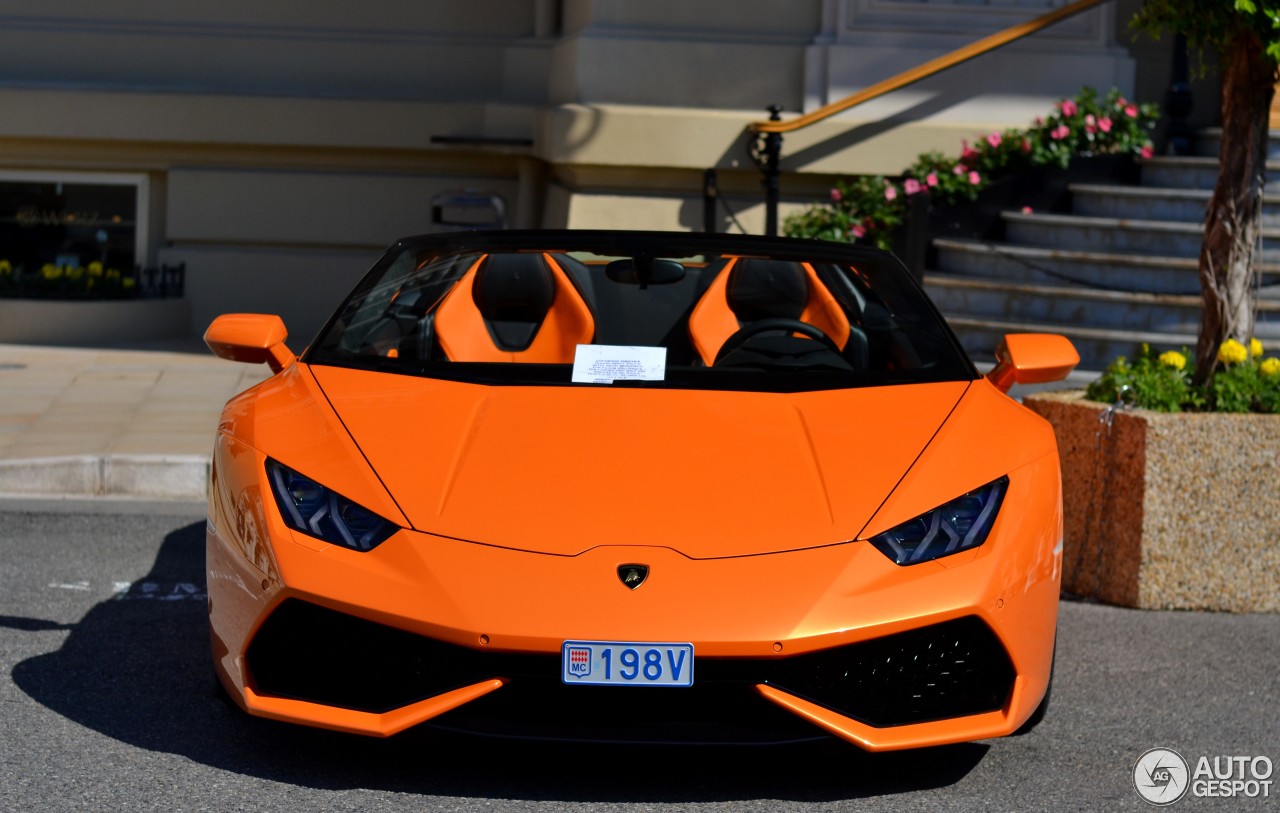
(1032, 358)
(644, 271)
(250, 337)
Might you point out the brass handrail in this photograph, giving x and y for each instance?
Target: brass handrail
(927, 69)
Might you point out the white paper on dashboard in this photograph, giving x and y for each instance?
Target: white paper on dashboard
(607, 363)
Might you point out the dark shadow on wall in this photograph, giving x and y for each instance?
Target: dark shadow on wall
(137, 668)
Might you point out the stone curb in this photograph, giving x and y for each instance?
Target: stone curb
(167, 477)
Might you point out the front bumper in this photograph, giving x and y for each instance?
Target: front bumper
(430, 628)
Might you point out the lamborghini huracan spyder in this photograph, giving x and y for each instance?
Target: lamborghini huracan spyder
(639, 487)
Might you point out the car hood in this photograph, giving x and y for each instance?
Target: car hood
(710, 474)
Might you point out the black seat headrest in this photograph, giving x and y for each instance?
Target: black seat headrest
(766, 289)
(513, 293)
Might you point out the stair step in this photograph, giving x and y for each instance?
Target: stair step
(1034, 264)
(1187, 172)
(1067, 306)
(1097, 347)
(1102, 324)
(1209, 141)
(1116, 235)
(1155, 203)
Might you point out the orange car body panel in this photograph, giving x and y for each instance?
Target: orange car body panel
(351, 721)
(1032, 358)
(253, 338)
(755, 546)
(613, 466)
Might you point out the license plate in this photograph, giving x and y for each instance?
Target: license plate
(626, 663)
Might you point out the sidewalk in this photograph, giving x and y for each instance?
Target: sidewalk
(135, 422)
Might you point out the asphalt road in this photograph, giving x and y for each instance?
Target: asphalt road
(107, 704)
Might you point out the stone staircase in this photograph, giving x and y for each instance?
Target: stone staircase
(1116, 269)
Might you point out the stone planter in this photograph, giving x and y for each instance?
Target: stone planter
(1168, 511)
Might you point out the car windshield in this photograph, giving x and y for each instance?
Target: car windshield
(642, 309)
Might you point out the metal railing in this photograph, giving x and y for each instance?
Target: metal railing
(765, 144)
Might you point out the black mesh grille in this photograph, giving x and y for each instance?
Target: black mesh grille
(306, 652)
(951, 669)
(711, 712)
(311, 653)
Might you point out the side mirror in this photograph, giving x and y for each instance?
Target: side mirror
(250, 337)
(1032, 358)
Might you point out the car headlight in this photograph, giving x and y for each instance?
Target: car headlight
(312, 509)
(954, 527)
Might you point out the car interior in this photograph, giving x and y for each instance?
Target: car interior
(707, 312)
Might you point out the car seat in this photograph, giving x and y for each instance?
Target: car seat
(514, 308)
(749, 290)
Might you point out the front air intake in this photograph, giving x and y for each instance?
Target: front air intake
(952, 669)
(307, 652)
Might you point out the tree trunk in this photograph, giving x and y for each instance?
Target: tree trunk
(1234, 218)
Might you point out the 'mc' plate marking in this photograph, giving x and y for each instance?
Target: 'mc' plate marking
(626, 663)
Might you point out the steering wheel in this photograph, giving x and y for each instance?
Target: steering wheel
(759, 326)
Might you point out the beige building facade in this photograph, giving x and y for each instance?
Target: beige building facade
(275, 149)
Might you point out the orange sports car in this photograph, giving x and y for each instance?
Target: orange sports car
(640, 487)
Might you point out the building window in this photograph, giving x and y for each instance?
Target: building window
(71, 234)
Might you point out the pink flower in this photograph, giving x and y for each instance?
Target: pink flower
(890, 192)
(960, 170)
(858, 231)
(1026, 145)
(1131, 111)
(1068, 107)
(1147, 151)
(931, 179)
(1104, 124)
(967, 153)
(1060, 132)
(836, 197)
(912, 186)
(994, 140)
(1026, 210)
(1039, 121)
(975, 178)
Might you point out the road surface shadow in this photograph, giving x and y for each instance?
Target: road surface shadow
(137, 668)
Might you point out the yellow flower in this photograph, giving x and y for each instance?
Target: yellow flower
(1232, 352)
(1173, 359)
(95, 269)
(1255, 349)
(5, 268)
(50, 271)
(1271, 366)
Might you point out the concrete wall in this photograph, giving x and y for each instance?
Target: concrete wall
(287, 143)
(111, 323)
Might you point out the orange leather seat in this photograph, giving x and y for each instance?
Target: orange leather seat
(514, 308)
(750, 289)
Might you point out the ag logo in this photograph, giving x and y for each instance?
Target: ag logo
(1161, 776)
